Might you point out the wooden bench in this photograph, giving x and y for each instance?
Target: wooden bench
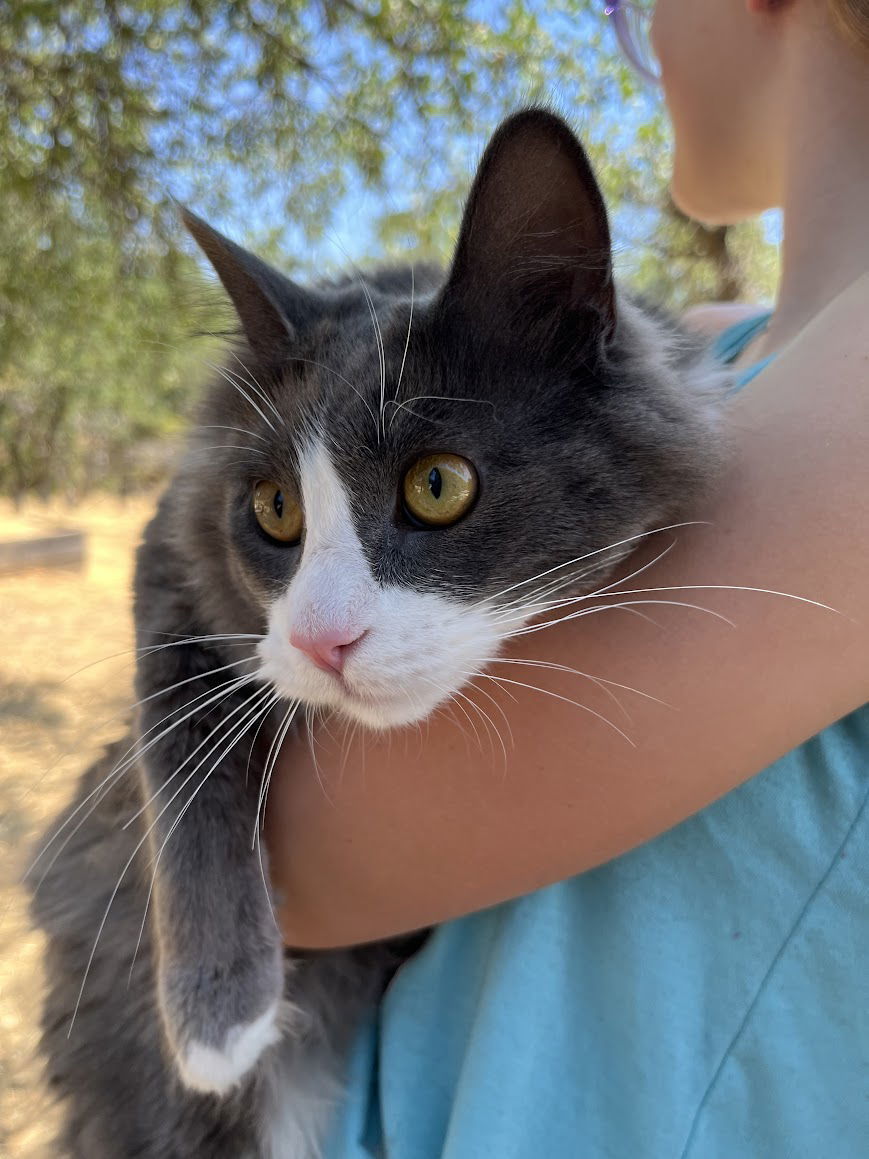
(60, 549)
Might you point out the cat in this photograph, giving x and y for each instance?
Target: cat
(382, 470)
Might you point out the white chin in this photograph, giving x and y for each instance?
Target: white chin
(386, 713)
(371, 710)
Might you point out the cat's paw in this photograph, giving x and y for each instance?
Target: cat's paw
(216, 1069)
(221, 1018)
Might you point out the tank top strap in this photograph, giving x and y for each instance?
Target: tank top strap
(731, 342)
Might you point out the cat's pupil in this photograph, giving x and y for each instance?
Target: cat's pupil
(278, 503)
(435, 482)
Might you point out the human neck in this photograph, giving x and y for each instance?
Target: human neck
(826, 242)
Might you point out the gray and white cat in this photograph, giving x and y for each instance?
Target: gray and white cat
(382, 472)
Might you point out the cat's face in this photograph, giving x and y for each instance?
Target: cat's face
(419, 468)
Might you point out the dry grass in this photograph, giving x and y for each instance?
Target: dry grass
(55, 622)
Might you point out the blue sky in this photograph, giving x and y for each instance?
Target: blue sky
(352, 233)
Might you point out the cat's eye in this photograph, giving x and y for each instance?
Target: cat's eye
(277, 514)
(439, 489)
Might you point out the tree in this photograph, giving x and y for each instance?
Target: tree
(268, 113)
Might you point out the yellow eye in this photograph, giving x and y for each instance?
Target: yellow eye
(439, 489)
(277, 514)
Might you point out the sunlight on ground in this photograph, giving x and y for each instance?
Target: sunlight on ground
(53, 720)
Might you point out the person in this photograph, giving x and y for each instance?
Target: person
(659, 950)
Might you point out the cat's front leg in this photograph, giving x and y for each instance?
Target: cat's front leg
(220, 970)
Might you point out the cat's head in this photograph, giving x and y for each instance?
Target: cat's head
(397, 471)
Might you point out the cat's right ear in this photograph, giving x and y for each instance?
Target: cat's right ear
(534, 257)
(271, 308)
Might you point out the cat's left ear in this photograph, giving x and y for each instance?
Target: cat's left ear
(271, 308)
(534, 251)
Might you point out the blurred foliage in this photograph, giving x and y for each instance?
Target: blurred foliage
(276, 112)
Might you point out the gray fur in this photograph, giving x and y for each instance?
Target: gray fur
(592, 421)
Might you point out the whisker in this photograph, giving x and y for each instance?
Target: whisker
(147, 649)
(378, 338)
(489, 722)
(347, 752)
(272, 756)
(233, 382)
(262, 802)
(129, 862)
(143, 808)
(312, 744)
(122, 766)
(522, 606)
(589, 554)
(378, 334)
(274, 701)
(346, 381)
(732, 588)
(92, 729)
(262, 708)
(407, 339)
(257, 386)
(450, 699)
(599, 680)
(558, 696)
(440, 397)
(224, 427)
(445, 708)
(227, 447)
(627, 604)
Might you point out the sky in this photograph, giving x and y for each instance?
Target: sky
(352, 235)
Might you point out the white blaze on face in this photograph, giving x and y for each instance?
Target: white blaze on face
(416, 648)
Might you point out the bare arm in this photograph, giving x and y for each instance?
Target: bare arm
(420, 829)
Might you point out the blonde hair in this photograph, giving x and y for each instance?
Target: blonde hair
(852, 18)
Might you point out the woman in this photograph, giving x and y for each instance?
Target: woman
(689, 978)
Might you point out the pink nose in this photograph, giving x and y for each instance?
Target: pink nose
(327, 649)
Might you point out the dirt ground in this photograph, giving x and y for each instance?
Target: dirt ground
(52, 713)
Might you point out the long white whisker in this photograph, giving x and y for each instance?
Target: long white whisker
(521, 606)
(558, 696)
(237, 730)
(346, 381)
(494, 702)
(262, 802)
(346, 753)
(588, 555)
(407, 339)
(312, 742)
(102, 724)
(489, 722)
(228, 447)
(378, 337)
(123, 765)
(224, 427)
(627, 604)
(271, 759)
(730, 588)
(549, 588)
(236, 385)
(129, 862)
(405, 405)
(273, 702)
(147, 649)
(450, 699)
(600, 680)
(259, 388)
(142, 808)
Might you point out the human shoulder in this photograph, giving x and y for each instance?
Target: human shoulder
(712, 318)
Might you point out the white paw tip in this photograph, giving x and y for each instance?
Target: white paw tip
(216, 1070)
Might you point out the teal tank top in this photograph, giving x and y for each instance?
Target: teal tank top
(705, 996)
